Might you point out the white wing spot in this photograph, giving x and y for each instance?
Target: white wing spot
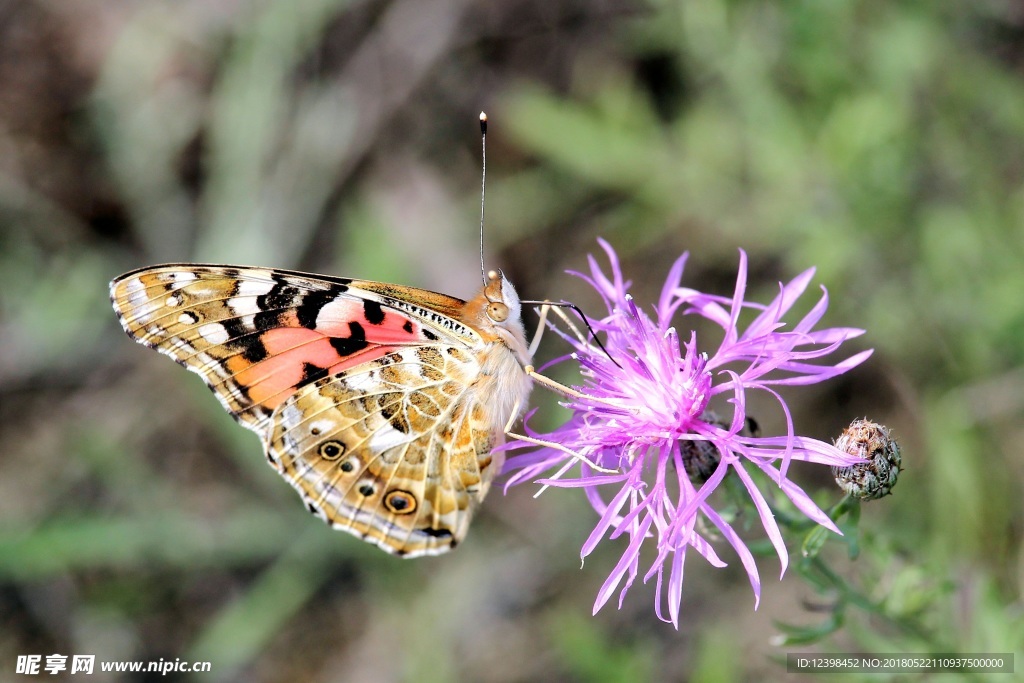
(214, 333)
(338, 312)
(243, 305)
(254, 287)
(363, 382)
(322, 427)
(387, 437)
(291, 417)
(136, 291)
(172, 301)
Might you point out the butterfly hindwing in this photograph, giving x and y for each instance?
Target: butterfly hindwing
(395, 451)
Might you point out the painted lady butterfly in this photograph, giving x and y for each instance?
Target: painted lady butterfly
(380, 403)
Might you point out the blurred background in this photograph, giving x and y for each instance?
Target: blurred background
(881, 141)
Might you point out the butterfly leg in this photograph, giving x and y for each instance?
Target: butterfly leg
(535, 342)
(568, 391)
(569, 323)
(542, 324)
(549, 383)
(549, 444)
(558, 388)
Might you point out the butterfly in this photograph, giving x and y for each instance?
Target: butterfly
(381, 404)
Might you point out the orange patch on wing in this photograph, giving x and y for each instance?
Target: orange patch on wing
(272, 380)
(298, 345)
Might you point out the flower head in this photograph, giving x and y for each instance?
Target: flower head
(875, 477)
(650, 452)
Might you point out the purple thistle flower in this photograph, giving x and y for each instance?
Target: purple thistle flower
(644, 420)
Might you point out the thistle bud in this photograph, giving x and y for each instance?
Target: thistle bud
(876, 477)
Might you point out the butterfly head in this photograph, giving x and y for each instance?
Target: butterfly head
(497, 313)
(502, 300)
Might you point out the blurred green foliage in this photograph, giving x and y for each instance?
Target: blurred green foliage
(879, 141)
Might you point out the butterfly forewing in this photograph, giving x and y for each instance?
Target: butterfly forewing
(376, 401)
(255, 335)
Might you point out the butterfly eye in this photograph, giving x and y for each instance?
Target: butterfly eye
(400, 502)
(331, 450)
(497, 311)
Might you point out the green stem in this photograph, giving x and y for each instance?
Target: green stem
(855, 597)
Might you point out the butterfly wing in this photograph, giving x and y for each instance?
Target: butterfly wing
(396, 451)
(256, 335)
(359, 390)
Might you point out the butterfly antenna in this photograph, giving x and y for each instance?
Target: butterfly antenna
(583, 317)
(483, 190)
